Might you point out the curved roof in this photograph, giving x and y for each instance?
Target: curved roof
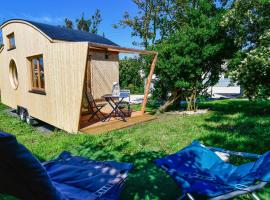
(64, 34)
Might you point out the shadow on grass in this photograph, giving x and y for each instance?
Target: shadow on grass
(237, 125)
(145, 180)
(249, 108)
(240, 126)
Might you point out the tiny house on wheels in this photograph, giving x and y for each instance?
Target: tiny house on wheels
(45, 69)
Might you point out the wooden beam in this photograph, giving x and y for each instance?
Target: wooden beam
(120, 49)
(128, 50)
(87, 63)
(148, 84)
(97, 48)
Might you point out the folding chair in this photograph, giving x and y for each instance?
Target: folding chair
(64, 178)
(93, 107)
(200, 172)
(125, 103)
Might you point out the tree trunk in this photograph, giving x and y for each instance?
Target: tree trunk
(172, 99)
(191, 101)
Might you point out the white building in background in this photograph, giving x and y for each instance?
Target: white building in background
(224, 89)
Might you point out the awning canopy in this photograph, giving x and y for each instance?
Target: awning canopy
(110, 48)
(118, 49)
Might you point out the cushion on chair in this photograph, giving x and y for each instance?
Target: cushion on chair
(198, 170)
(21, 174)
(262, 167)
(192, 162)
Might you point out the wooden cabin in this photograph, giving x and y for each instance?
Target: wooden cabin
(45, 69)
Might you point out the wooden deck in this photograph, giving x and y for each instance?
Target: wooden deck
(97, 127)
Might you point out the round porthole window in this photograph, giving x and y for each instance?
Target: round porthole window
(13, 75)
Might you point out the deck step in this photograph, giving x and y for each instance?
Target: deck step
(117, 124)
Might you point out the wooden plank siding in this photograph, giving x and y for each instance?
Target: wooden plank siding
(64, 67)
(104, 72)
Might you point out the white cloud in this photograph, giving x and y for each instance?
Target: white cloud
(45, 19)
(54, 20)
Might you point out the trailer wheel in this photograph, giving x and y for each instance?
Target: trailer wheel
(29, 119)
(22, 114)
(18, 110)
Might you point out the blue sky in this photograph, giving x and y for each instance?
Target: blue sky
(54, 12)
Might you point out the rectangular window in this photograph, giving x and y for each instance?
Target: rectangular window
(11, 41)
(37, 74)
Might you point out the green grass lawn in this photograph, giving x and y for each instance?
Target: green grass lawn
(233, 124)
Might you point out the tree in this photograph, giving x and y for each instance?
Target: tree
(131, 76)
(95, 21)
(190, 60)
(191, 44)
(157, 19)
(88, 25)
(251, 69)
(247, 22)
(68, 23)
(83, 24)
(147, 24)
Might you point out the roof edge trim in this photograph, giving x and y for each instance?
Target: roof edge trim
(27, 23)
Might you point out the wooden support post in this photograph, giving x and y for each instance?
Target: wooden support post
(148, 84)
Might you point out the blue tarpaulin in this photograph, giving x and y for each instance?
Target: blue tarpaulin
(65, 178)
(76, 176)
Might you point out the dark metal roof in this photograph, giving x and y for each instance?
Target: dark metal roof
(61, 33)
